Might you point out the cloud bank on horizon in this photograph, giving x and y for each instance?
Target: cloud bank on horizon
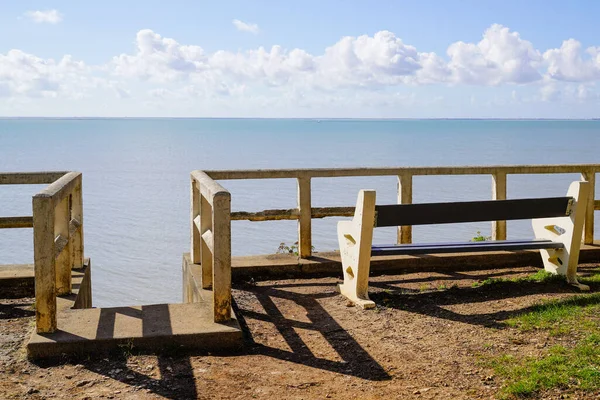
(378, 75)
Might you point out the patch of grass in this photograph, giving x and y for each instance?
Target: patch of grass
(560, 316)
(540, 276)
(562, 368)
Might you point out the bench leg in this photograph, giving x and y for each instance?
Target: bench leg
(566, 230)
(355, 238)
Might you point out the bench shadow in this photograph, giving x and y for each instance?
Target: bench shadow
(355, 361)
(433, 303)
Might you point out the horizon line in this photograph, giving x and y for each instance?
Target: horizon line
(306, 118)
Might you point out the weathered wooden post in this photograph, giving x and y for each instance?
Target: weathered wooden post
(44, 263)
(77, 250)
(588, 228)
(206, 242)
(304, 220)
(221, 249)
(63, 246)
(499, 193)
(195, 221)
(405, 194)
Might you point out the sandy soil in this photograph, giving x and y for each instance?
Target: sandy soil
(304, 341)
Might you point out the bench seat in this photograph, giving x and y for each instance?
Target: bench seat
(463, 247)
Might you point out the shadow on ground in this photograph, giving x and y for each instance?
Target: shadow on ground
(177, 380)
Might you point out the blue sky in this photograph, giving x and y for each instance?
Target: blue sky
(399, 59)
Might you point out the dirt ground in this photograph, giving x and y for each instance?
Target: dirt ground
(426, 340)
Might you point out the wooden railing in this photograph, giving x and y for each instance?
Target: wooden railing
(304, 212)
(211, 240)
(57, 224)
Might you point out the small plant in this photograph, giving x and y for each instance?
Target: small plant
(292, 249)
(285, 249)
(480, 238)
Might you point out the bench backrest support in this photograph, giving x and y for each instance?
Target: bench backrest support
(567, 230)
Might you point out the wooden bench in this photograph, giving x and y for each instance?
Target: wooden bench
(557, 225)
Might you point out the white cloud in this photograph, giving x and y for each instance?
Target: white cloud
(160, 59)
(27, 75)
(567, 63)
(48, 16)
(362, 71)
(245, 27)
(500, 57)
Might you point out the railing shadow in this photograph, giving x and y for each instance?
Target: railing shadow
(16, 310)
(355, 361)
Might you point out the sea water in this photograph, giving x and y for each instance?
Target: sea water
(136, 181)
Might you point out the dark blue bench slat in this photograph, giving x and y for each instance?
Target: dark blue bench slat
(464, 247)
(470, 211)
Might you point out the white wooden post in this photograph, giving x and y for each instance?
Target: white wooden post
(221, 281)
(304, 221)
(44, 264)
(405, 193)
(588, 228)
(499, 193)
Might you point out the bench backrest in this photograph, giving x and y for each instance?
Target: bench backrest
(471, 211)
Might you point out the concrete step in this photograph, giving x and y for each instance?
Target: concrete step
(148, 328)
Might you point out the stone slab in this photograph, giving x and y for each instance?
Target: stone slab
(148, 328)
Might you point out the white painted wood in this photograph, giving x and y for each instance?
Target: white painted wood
(355, 238)
(566, 230)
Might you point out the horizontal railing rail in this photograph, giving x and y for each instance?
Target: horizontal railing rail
(304, 213)
(25, 178)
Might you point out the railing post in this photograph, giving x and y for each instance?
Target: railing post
(588, 228)
(221, 281)
(63, 260)
(304, 221)
(206, 253)
(405, 193)
(499, 193)
(77, 214)
(194, 213)
(44, 264)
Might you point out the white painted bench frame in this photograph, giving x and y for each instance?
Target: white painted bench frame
(356, 237)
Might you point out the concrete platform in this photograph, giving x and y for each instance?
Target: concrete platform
(149, 328)
(282, 266)
(16, 281)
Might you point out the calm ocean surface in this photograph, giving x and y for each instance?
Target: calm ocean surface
(136, 181)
